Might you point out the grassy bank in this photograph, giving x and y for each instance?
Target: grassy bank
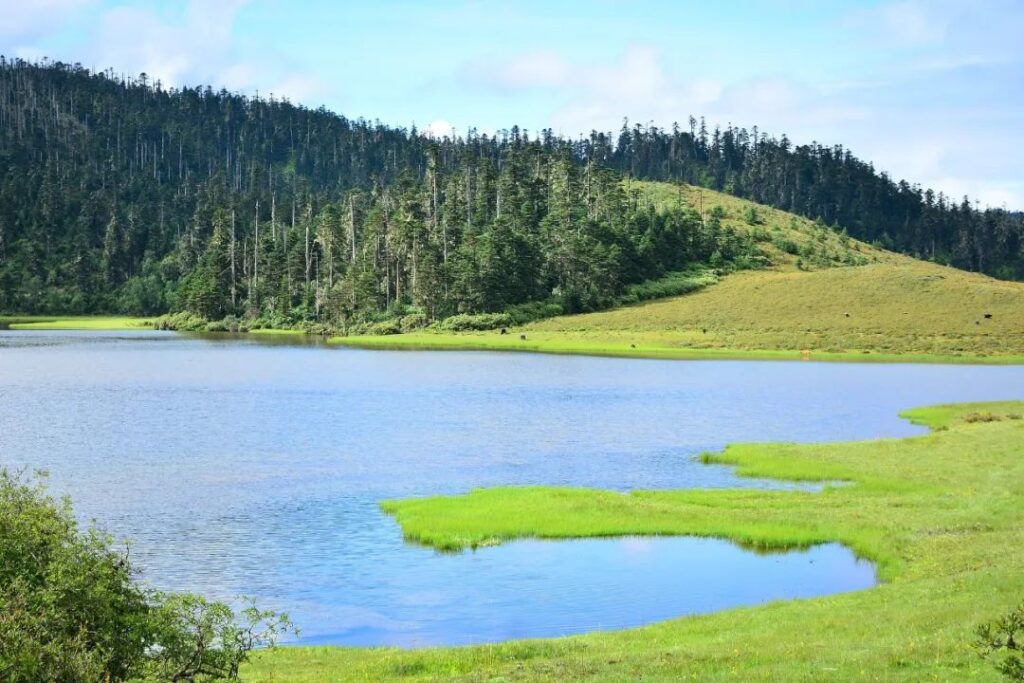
(898, 310)
(942, 515)
(39, 322)
(644, 345)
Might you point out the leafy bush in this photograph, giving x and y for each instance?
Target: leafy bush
(534, 310)
(385, 327)
(672, 284)
(71, 611)
(181, 322)
(482, 321)
(787, 245)
(413, 321)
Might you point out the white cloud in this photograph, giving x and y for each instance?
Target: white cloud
(438, 129)
(26, 20)
(939, 143)
(193, 45)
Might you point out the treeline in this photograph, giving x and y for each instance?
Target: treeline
(119, 195)
(830, 183)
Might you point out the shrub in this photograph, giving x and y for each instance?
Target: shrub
(535, 310)
(981, 417)
(671, 284)
(71, 611)
(181, 322)
(1002, 642)
(786, 245)
(413, 321)
(385, 327)
(481, 321)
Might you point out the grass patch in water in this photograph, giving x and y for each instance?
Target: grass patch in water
(941, 514)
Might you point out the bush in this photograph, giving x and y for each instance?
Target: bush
(382, 328)
(787, 245)
(1002, 642)
(71, 611)
(180, 322)
(482, 321)
(535, 310)
(413, 321)
(672, 284)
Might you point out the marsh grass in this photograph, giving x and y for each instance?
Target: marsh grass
(75, 323)
(941, 515)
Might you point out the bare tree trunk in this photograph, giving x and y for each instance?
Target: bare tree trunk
(233, 293)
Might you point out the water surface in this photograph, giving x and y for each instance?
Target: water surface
(246, 468)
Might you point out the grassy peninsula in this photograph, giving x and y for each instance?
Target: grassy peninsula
(942, 516)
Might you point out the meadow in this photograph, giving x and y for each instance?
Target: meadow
(833, 298)
(940, 515)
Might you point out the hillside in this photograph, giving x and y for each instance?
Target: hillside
(120, 196)
(834, 297)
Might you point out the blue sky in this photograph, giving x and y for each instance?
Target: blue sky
(928, 90)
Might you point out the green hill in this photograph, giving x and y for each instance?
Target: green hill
(825, 294)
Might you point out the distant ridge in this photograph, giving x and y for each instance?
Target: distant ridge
(120, 196)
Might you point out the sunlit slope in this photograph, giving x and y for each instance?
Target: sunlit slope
(901, 307)
(888, 304)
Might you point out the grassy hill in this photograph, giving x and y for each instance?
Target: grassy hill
(826, 296)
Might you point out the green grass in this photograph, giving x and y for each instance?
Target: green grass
(643, 345)
(27, 322)
(942, 516)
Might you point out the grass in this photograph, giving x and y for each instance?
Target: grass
(28, 322)
(942, 516)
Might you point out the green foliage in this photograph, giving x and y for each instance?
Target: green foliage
(203, 641)
(534, 310)
(672, 284)
(484, 321)
(209, 203)
(71, 611)
(1002, 642)
(181, 322)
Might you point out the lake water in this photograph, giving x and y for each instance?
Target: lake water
(240, 467)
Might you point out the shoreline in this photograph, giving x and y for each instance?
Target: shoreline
(944, 541)
(543, 342)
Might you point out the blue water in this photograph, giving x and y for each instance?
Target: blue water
(237, 467)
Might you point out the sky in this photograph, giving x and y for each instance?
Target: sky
(928, 90)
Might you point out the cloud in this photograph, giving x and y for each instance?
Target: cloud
(25, 21)
(193, 44)
(438, 129)
(929, 126)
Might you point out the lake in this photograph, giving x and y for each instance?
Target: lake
(243, 467)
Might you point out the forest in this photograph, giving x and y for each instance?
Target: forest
(120, 195)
